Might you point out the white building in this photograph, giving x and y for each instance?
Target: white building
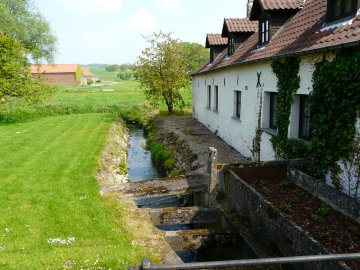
(230, 91)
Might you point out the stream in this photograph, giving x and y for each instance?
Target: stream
(141, 168)
(139, 158)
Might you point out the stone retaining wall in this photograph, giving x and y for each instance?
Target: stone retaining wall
(269, 224)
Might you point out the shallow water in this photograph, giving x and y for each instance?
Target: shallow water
(139, 158)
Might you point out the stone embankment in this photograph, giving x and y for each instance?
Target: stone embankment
(191, 141)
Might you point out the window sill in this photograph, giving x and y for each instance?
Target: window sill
(270, 131)
(216, 111)
(237, 119)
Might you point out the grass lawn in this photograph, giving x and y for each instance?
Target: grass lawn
(125, 92)
(103, 74)
(52, 216)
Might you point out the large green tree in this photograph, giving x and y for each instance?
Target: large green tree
(21, 20)
(16, 81)
(162, 70)
(197, 54)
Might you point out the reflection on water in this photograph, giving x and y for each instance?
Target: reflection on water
(139, 159)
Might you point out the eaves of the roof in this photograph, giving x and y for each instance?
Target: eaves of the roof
(305, 33)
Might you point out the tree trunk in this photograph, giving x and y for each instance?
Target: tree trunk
(170, 108)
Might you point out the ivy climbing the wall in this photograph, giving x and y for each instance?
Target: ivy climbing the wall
(334, 102)
(288, 82)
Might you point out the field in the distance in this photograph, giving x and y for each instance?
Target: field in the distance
(117, 93)
(52, 216)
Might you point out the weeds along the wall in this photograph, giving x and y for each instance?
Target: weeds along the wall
(11, 113)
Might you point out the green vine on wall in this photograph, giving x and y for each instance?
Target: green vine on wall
(334, 102)
(288, 82)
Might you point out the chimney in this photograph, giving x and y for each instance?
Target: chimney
(249, 6)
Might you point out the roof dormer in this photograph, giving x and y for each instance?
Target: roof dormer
(341, 9)
(272, 15)
(216, 43)
(237, 31)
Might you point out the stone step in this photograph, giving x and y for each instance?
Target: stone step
(184, 215)
(195, 239)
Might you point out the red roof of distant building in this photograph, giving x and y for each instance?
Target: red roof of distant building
(54, 68)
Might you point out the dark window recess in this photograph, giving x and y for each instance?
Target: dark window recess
(231, 46)
(216, 98)
(264, 31)
(273, 104)
(304, 118)
(208, 97)
(237, 103)
(338, 9)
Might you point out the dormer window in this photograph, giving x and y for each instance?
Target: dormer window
(231, 46)
(264, 32)
(339, 9)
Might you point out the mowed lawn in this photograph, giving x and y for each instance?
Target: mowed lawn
(52, 216)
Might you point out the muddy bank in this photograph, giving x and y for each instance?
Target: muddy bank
(190, 141)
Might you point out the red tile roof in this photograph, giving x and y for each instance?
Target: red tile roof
(303, 33)
(54, 68)
(240, 25)
(281, 4)
(215, 40)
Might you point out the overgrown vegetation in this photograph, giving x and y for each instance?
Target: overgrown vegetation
(335, 104)
(16, 82)
(335, 101)
(288, 82)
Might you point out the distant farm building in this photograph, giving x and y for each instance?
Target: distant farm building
(88, 75)
(59, 73)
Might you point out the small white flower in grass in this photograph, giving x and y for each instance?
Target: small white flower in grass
(2, 248)
(7, 230)
(83, 198)
(66, 241)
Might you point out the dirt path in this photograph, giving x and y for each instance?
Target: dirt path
(192, 138)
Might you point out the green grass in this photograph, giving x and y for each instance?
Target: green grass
(103, 74)
(48, 191)
(122, 93)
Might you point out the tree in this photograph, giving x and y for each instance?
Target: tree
(162, 70)
(20, 20)
(197, 54)
(112, 68)
(16, 81)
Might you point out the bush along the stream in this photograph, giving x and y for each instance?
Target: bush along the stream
(161, 155)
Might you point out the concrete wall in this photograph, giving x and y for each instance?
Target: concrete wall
(239, 132)
(269, 224)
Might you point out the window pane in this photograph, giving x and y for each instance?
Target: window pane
(216, 98)
(209, 96)
(337, 8)
(304, 118)
(238, 103)
(273, 102)
(348, 4)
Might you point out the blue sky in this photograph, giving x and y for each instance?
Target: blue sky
(111, 31)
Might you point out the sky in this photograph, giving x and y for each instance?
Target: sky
(112, 31)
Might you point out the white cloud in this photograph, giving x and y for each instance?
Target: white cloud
(90, 6)
(171, 4)
(142, 19)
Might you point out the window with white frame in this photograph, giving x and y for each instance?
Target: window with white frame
(208, 105)
(237, 104)
(264, 31)
(216, 98)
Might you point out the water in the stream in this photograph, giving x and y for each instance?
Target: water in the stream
(139, 158)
